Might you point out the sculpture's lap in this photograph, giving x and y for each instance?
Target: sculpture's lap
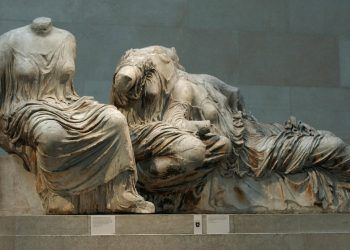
(49, 136)
(78, 152)
(177, 160)
(168, 156)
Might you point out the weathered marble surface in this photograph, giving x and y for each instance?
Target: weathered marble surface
(198, 149)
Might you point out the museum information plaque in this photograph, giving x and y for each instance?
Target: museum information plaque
(218, 224)
(102, 225)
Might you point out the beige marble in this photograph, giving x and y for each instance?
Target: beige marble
(17, 189)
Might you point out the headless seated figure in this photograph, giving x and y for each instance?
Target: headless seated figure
(150, 83)
(80, 150)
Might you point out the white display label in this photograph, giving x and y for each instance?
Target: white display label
(197, 224)
(102, 224)
(218, 224)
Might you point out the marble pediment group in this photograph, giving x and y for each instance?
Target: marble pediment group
(168, 142)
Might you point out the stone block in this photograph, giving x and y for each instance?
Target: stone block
(8, 225)
(228, 15)
(326, 241)
(253, 231)
(319, 16)
(53, 225)
(344, 62)
(57, 242)
(64, 11)
(209, 242)
(163, 13)
(210, 52)
(317, 241)
(267, 103)
(140, 224)
(7, 242)
(323, 108)
(17, 189)
(6, 25)
(288, 59)
(320, 99)
(291, 223)
(323, 223)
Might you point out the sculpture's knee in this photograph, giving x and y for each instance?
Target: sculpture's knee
(218, 149)
(191, 152)
(332, 142)
(325, 133)
(115, 119)
(50, 138)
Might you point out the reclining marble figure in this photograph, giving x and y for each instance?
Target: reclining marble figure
(198, 150)
(79, 149)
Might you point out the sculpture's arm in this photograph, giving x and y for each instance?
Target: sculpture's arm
(69, 53)
(179, 109)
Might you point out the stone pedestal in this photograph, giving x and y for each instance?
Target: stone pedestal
(264, 231)
(17, 189)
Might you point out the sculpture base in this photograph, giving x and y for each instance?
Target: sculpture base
(18, 195)
(294, 194)
(263, 231)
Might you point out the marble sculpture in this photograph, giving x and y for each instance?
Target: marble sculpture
(199, 150)
(183, 142)
(79, 149)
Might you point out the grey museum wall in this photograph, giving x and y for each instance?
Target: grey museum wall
(287, 56)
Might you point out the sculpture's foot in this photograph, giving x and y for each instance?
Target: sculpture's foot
(57, 204)
(129, 203)
(122, 196)
(143, 207)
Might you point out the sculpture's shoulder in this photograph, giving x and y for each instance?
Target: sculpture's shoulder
(214, 85)
(16, 36)
(65, 33)
(217, 82)
(6, 43)
(205, 79)
(183, 89)
(13, 36)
